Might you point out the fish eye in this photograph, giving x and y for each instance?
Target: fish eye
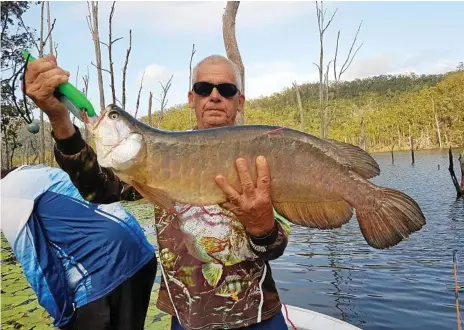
(113, 115)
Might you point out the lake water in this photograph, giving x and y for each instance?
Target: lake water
(409, 286)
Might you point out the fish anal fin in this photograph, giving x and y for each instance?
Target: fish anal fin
(154, 195)
(359, 161)
(321, 214)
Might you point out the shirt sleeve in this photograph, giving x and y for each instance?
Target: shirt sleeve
(95, 183)
(273, 245)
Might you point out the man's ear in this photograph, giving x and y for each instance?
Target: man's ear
(190, 97)
(241, 102)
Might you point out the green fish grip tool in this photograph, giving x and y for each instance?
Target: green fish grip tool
(70, 96)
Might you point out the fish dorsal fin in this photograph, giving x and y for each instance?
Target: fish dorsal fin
(154, 195)
(321, 215)
(358, 160)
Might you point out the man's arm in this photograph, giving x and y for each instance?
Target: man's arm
(272, 246)
(95, 183)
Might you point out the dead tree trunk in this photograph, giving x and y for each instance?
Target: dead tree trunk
(459, 187)
(164, 99)
(411, 146)
(322, 28)
(150, 102)
(93, 26)
(190, 82)
(437, 123)
(50, 43)
(124, 71)
(41, 53)
(138, 96)
(110, 53)
(231, 46)
(362, 142)
(300, 106)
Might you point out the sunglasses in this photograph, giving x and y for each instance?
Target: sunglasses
(204, 88)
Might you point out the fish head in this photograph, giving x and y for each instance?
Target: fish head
(118, 140)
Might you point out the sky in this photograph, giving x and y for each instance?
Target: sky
(278, 41)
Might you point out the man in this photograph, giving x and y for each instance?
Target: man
(90, 265)
(215, 259)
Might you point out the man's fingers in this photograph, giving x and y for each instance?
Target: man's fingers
(35, 68)
(52, 83)
(264, 176)
(228, 190)
(245, 178)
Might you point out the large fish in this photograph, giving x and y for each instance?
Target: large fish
(315, 183)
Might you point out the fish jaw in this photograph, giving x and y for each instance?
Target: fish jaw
(119, 145)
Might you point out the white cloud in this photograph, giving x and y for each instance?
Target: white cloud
(266, 78)
(194, 16)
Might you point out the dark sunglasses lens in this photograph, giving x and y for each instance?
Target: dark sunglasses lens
(203, 88)
(227, 90)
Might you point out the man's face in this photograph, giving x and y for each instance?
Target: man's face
(215, 110)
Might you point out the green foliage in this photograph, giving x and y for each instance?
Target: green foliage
(392, 108)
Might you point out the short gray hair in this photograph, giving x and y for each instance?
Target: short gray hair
(215, 59)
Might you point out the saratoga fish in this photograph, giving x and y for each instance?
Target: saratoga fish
(315, 182)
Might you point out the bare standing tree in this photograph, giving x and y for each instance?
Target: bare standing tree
(124, 70)
(164, 100)
(300, 106)
(190, 82)
(92, 22)
(41, 53)
(138, 96)
(322, 28)
(150, 103)
(109, 45)
(231, 46)
(50, 43)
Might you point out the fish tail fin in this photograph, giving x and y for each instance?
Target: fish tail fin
(392, 218)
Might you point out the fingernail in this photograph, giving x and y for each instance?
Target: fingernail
(261, 159)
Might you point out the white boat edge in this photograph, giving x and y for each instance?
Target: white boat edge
(304, 319)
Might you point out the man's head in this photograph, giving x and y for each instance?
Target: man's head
(211, 108)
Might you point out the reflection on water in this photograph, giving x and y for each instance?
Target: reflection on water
(409, 286)
(335, 272)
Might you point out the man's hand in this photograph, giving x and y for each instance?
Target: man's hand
(253, 207)
(43, 76)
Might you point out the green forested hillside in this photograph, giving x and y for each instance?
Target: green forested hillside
(388, 107)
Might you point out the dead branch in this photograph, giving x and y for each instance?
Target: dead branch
(50, 28)
(56, 50)
(320, 13)
(138, 96)
(164, 99)
(77, 76)
(100, 69)
(150, 102)
(92, 22)
(124, 70)
(300, 106)
(29, 34)
(41, 51)
(348, 61)
(231, 46)
(49, 32)
(459, 191)
(110, 54)
(190, 82)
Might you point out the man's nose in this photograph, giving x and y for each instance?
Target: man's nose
(215, 96)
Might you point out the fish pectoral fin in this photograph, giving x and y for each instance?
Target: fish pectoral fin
(212, 273)
(154, 195)
(321, 215)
